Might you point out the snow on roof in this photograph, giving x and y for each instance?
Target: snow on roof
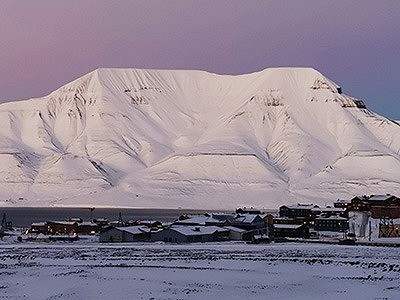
(301, 206)
(331, 218)
(247, 218)
(235, 229)
(194, 219)
(343, 201)
(197, 230)
(134, 229)
(63, 222)
(328, 208)
(87, 223)
(39, 224)
(380, 197)
(287, 226)
(223, 217)
(149, 221)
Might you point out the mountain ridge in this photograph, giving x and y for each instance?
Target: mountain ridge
(169, 138)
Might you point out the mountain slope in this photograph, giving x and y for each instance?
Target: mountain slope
(161, 138)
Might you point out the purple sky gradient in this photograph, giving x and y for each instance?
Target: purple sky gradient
(45, 44)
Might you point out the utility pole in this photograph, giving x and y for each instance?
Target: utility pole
(91, 213)
(120, 219)
(370, 231)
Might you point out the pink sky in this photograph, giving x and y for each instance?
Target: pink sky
(45, 44)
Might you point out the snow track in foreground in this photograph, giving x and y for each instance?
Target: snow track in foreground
(198, 271)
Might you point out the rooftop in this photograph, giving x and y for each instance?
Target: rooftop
(380, 197)
(134, 229)
(331, 218)
(287, 226)
(197, 230)
(301, 206)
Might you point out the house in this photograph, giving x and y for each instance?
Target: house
(153, 224)
(359, 203)
(247, 210)
(383, 200)
(222, 219)
(239, 234)
(192, 220)
(190, 234)
(101, 221)
(286, 220)
(291, 230)
(125, 234)
(235, 234)
(329, 210)
(331, 223)
(87, 228)
(268, 218)
(303, 211)
(342, 203)
(64, 227)
(365, 203)
(244, 221)
(39, 227)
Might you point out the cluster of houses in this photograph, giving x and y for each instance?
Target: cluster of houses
(246, 224)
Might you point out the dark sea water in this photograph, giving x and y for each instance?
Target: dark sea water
(24, 216)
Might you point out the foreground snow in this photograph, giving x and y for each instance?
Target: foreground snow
(198, 271)
(192, 139)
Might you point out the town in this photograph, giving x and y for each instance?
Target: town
(372, 220)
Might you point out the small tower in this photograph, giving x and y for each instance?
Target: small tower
(120, 222)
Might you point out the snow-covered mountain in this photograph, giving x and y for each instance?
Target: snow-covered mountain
(161, 138)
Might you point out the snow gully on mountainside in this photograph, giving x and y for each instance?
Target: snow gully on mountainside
(177, 138)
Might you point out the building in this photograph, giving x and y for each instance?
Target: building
(331, 223)
(365, 203)
(65, 227)
(244, 221)
(390, 212)
(62, 227)
(125, 234)
(268, 218)
(383, 200)
(247, 210)
(192, 220)
(303, 211)
(152, 224)
(236, 234)
(87, 228)
(39, 227)
(342, 203)
(286, 220)
(329, 211)
(191, 234)
(291, 230)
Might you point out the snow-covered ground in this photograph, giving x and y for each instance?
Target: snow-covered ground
(198, 271)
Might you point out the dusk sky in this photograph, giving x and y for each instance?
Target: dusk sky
(45, 44)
